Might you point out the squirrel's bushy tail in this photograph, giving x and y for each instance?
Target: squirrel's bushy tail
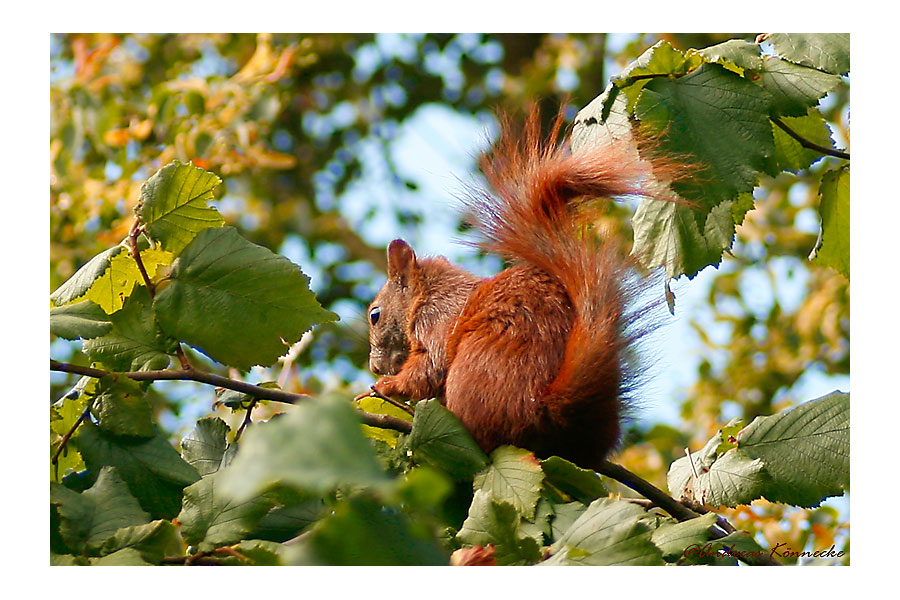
(542, 197)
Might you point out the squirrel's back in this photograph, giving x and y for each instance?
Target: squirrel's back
(537, 356)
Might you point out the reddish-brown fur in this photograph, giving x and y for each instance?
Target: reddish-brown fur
(532, 357)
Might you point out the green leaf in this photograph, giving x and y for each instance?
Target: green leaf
(204, 447)
(135, 342)
(210, 519)
(564, 515)
(799, 456)
(129, 557)
(659, 60)
(718, 121)
(363, 532)
(733, 53)
(240, 303)
(498, 523)
(673, 539)
(153, 470)
(122, 408)
(670, 235)
(514, 476)
(79, 283)
(833, 247)
(316, 447)
(89, 519)
(83, 320)
(609, 532)
(789, 154)
(794, 89)
(608, 116)
(153, 540)
(174, 205)
(67, 560)
(829, 52)
(285, 522)
(422, 489)
(582, 484)
(717, 479)
(440, 440)
(806, 449)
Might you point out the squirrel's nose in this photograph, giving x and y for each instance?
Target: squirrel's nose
(374, 368)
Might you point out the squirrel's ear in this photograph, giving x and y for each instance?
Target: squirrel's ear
(401, 261)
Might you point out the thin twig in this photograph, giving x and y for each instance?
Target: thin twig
(62, 444)
(182, 358)
(694, 475)
(134, 232)
(808, 144)
(237, 436)
(208, 558)
(262, 393)
(373, 394)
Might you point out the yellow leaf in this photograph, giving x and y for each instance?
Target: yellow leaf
(270, 158)
(380, 407)
(111, 289)
(140, 129)
(116, 137)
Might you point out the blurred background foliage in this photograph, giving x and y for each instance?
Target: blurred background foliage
(303, 130)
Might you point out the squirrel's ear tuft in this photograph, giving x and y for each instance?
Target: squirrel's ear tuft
(401, 262)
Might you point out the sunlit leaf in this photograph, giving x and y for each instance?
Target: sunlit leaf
(84, 278)
(833, 248)
(174, 204)
(514, 476)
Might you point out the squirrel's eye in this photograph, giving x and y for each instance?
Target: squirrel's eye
(374, 314)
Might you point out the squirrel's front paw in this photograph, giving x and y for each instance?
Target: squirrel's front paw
(386, 386)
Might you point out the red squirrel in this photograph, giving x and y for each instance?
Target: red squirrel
(535, 356)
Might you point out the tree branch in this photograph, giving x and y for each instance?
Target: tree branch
(262, 393)
(679, 511)
(808, 144)
(646, 489)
